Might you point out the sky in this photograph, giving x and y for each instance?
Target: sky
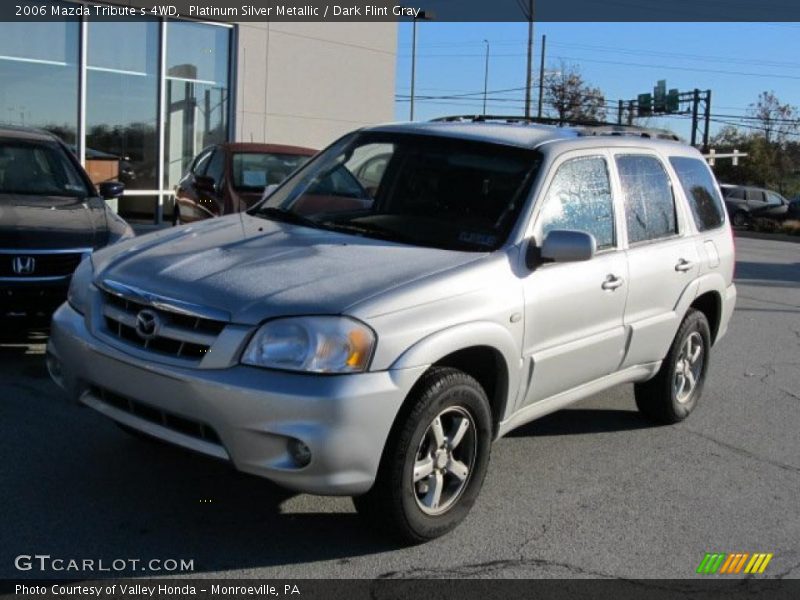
(736, 61)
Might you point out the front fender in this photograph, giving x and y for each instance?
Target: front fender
(433, 348)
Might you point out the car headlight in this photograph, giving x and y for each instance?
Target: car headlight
(312, 344)
(78, 295)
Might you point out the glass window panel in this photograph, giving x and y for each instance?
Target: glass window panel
(579, 199)
(122, 103)
(649, 202)
(196, 93)
(698, 185)
(39, 75)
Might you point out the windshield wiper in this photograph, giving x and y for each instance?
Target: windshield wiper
(371, 229)
(287, 216)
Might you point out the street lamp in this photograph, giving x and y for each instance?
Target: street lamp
(421, 16)
(486, 77)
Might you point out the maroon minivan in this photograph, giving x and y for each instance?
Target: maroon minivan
(231, 177)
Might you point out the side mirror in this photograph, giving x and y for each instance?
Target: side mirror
(204, 183)
(111, 189)
(562, 245)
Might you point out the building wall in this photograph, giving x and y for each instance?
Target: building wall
(308, 83)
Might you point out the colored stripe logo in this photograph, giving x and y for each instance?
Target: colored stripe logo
(734, 563)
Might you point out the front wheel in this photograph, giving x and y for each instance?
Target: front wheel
(435, 460)
(740, 219)
(675, 390)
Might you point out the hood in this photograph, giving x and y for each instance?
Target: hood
(49, 222)
(254, 269)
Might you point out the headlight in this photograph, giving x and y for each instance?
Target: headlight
(78, 295)
(312, 344)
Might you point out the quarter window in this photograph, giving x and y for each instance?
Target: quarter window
(648, 198)
(579, 199)
(698, 185)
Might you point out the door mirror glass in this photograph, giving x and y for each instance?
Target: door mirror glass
(111, 189)
(562, 245)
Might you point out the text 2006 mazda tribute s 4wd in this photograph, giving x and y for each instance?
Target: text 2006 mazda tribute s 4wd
(408, 296)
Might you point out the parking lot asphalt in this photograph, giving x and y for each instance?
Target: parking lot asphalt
(592, 491)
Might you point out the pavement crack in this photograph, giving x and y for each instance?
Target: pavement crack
(743, 452)
(489, 568)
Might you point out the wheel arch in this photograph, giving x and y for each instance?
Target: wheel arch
(485, 351)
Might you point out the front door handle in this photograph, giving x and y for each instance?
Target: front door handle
(684, 265)
(612, 282)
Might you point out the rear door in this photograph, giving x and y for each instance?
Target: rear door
(662, 256)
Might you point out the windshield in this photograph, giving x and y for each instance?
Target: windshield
(38, 169)
(252, 171)
(428, 191)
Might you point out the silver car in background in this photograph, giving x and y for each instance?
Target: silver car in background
(369, 330)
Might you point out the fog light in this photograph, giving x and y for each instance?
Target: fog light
(54, 369)
(300, 453)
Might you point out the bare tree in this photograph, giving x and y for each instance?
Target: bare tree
(778, 121)
(571, 98)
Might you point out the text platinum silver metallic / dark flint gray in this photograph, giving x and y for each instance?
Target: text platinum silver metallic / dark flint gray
(559, 332)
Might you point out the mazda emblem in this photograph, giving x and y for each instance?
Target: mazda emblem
(23, 265)
(147, 324)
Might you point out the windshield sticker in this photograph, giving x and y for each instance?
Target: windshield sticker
(254, 178)
(474, 237)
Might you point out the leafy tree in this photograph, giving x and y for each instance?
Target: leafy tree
(570, 98)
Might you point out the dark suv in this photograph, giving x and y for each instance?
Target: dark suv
(51, 217)
(745, 203)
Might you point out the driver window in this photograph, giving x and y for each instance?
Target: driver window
(579, 199)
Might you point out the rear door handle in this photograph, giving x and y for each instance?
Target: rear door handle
(684, 265)
(612, 282)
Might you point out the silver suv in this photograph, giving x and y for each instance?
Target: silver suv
(411, 294)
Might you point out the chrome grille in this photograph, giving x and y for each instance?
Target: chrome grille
(178, 335)
(38, 265)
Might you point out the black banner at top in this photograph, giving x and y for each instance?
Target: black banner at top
(405, 10)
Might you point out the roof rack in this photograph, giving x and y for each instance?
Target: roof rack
(581, 128)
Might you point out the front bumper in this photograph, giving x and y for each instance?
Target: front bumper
(244, 414)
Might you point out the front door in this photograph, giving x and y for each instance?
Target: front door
(574, 310)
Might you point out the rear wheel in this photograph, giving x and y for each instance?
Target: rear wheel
(675, 390)
(435, 459)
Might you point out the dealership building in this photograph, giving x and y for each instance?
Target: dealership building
(138, 99)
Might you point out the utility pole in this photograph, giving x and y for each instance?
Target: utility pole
(695, 111)
(541, 77)
(708, 120)
(413, 64)
(620, 111)
(486, 77)
(529, 14)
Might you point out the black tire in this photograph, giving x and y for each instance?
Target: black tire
(659, 399)
(741, 219)
(396, 504)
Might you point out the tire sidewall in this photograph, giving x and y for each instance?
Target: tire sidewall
(696, 323)
(472, 399)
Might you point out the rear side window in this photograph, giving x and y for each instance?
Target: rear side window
(698, 185)
(649, 202)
